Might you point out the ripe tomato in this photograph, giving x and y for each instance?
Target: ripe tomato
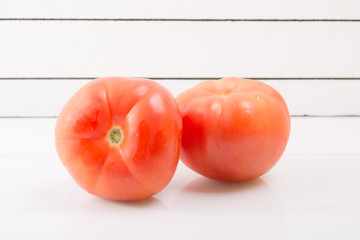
(233, 129)
(120, 138)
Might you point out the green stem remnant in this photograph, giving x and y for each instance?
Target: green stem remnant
(115, 136)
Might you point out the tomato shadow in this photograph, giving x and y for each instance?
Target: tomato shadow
(206, 193)
(253, 205)
(203, 194)
(67, 195)
(145, 203)
(205, 185)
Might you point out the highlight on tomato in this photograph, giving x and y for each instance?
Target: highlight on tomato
(233, 129)
(119, 138)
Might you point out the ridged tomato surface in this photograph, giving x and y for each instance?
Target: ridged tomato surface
(234, 129)
(120, 138)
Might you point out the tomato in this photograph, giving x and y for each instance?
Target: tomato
(233, 129)
(120, 138)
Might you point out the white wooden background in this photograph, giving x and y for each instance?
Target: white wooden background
(307, 49)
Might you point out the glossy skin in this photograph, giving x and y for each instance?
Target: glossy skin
(234, 129)
(145, 160)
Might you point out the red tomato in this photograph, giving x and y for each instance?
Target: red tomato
(233, 129)
(120, 138)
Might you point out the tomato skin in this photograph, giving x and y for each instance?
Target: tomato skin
(233, 129)
(145, 160)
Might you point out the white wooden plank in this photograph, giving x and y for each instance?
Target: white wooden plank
(320, 97)
(179, 49)
(180, 9)
(41, 98)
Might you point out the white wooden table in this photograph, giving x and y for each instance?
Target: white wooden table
(312, 193)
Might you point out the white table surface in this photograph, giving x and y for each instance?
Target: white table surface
(312, 193)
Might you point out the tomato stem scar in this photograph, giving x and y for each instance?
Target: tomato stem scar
(115, 136)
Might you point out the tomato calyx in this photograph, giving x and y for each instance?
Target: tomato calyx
(115, 136)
